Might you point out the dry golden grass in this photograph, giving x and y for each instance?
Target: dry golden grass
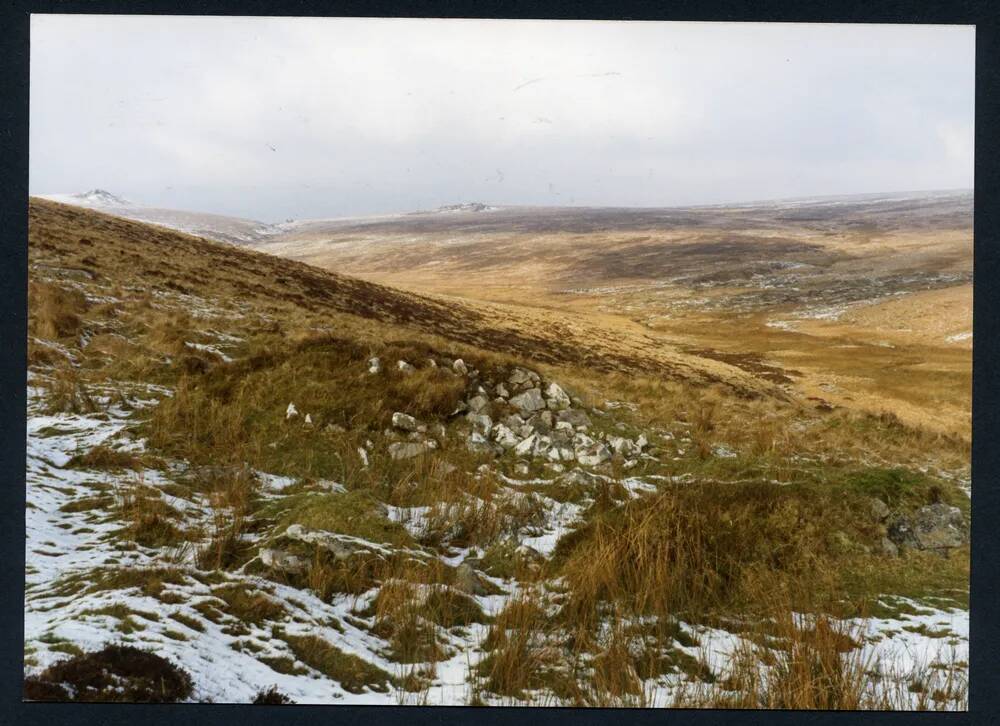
(520, 656)
(785, 517)
(816, 665)
(641, 284)
(149, 521)
(171, 263)
(67, 392)
(56, 311)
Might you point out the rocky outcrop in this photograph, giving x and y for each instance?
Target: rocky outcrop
(405, 422)
(574, 417)
(593, 454)
(408, 449)
(521, 379)
(341, 546)
(478, 404)
(505, 437)
(936, 527)
(468, 580)
(528, 402)
(556, 398)
(481, 423)
(282, 561)
(523, 414)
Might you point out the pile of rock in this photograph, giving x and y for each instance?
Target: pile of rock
(521, 414)
(536, 419)
(409, 437)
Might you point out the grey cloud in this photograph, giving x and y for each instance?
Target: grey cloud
(276, 118)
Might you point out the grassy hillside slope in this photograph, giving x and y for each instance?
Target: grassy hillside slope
(277, 477)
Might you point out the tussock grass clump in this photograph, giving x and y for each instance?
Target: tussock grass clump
(521, 654)
(249, 606)
(66, 392)
(449, 608)
(351, 672)
(902, 488)
(271, 697)
(425, 393)
(801, 664)
(477, 521)
(355, 574)
(104, 457)
(226, 548)
(450, 476)
(150, 581)
(68, 648)
(41, 354)
(282, 664)
(693, 548)
(614, 669)
(506, 560)
(54, 311)
(117, 673)
(167, 332)
(205, 430)
(407, 612)
(88, 504)
(188, 621)
(400, 617)
(122, 612)
(232, 493)
(149, 520)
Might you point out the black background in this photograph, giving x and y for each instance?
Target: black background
(984, 627)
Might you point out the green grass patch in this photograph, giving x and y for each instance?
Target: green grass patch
(353, 513)
(351, 672)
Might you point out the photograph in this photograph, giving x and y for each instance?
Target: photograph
(498, 362)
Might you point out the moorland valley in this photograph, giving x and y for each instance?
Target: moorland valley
(703, 456)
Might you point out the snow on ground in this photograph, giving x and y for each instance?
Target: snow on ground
(63, 545)
(66, 541)
(561, 519)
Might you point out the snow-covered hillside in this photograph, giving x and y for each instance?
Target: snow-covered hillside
(233, 230)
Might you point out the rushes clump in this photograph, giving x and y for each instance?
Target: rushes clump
(691, 549)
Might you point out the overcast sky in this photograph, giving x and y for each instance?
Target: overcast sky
(276, 118)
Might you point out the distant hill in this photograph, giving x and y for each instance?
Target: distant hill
(233, 230)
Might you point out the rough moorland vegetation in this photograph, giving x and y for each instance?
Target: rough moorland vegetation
(297, 487)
